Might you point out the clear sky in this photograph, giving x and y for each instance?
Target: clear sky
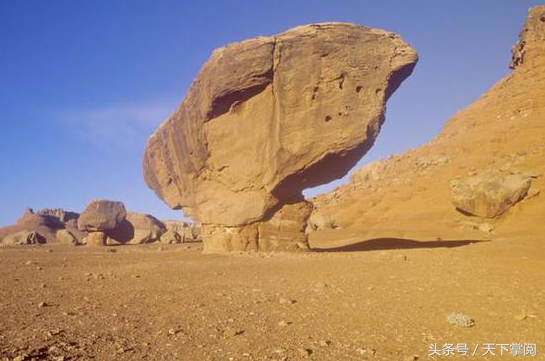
(84, 83)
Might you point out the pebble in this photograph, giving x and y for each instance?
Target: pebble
(287, 301)
(304, 352)
(283, 323)
(42, 304)
(231, 332)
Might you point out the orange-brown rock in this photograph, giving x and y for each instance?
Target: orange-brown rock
(268, 117)
(502, 134)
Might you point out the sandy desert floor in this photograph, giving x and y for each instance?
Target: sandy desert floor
(388, 302)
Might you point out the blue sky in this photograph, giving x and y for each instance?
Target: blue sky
(84, 83)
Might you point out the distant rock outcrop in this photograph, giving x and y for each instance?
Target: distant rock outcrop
(45, 225)
(268, 117)
(23, 238)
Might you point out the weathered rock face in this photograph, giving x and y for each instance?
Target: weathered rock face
(268, 117)
(137, 228)
(101, 215)
(489, 194)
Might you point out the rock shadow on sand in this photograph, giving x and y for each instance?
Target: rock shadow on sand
(382, 244)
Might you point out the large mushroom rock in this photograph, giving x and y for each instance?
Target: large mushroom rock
(269, 117)
(102, 215)
(138, 228)
(99, 217)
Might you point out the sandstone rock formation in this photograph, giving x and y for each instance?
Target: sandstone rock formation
(61, 214)
(102, 215)
(409, 195)
(69, 221)
(489, 194)
(137, 228)
(102, 222)
(23, 238)
(45, 225)
(268, 117)
(99, 217)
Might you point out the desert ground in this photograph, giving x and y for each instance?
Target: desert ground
(376, 300)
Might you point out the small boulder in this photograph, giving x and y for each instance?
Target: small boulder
(102, 215)
(489, 194)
